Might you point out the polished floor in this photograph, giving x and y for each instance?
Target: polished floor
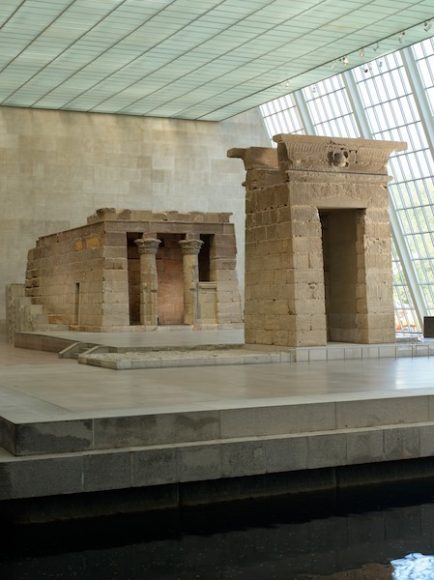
(38, 386)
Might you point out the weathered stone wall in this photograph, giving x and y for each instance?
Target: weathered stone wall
(21, 314)
(56, 167)
(208, 303)
(65, 275)
(285, 191)
(224, 273)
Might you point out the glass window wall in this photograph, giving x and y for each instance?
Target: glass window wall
(391, 111)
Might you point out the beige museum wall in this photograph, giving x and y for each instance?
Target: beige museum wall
(57, 167)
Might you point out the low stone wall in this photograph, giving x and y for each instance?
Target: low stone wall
(21, 314)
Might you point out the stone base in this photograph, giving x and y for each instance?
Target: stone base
(183, 358)
(190, 348)
(96, 453)
(69, 429)
(346, 351)
(249, 354)
(161, 337)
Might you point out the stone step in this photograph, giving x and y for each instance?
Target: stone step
(198, 357)
(179, 427)
(210, 460)
(151, 357)
(39, 341)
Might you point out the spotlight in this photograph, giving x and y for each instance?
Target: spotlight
(427, 25)
(401, 36)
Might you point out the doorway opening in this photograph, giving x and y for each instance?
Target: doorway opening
(170, 272)
(340, 261)
(133, 278)
(77, 304)
(204, 258)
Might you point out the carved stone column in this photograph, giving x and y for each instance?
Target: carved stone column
(148, 248)
(190, 251)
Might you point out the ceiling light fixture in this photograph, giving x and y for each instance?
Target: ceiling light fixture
(427, 25)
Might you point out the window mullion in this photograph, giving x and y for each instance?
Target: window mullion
(304, 113)
(397, 234)
(420, 98)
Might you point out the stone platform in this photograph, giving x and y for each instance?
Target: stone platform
(197, 357)
(72, 429)
(248, 354)
(183, 347)
(162, 337)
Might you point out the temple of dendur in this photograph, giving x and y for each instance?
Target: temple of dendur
(318, 241)
(317, 260)
(141, 269)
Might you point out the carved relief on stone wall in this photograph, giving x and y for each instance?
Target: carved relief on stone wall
(341, 157)
(334, 155)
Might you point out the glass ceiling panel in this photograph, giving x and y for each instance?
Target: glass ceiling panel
(210, 59)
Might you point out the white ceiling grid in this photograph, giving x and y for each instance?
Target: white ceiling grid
(192, 59)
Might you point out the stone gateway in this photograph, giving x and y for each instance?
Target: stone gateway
(318, 241)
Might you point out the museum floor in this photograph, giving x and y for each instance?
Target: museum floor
(38, 384)
(67, 428)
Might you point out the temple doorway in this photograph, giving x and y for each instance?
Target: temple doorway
(340, 261)
(170, 280)
(133, 278)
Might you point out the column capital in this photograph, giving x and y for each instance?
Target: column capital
(147, 245)
(190, 247)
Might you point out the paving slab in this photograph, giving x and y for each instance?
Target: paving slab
(184, 358)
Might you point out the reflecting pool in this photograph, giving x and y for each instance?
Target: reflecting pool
(384, 533)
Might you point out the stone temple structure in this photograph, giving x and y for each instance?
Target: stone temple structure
(129, 268)
(318, 241)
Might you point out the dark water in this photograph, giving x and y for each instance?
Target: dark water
(346, 536)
